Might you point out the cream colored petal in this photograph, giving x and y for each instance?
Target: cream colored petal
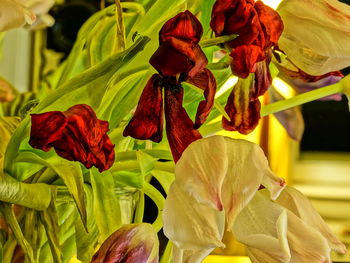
(297, 203)
(189, 256)
(306, 244)
(189, 224)
(41, 22)
(316, 34)
(259, 256)
(39, 6)
(262, 225)
(13, 14)
(202, 168)
(247, 169)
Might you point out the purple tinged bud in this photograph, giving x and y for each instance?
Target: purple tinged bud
(134, 243)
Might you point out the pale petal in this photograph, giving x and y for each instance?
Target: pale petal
(247, 168)
(306, 244)
(39, 7)
(259, 256)
(316, 34)
(262, 225)
(297, 203)
(189, 224)
(189, 256)
(202, 168)
(13, 14)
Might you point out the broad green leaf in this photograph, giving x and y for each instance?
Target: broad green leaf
(49, 218)
(69, 171)
(165, 178)
(105, 203)
(145, 161)
(36, 196)
(206, 9)
(155, 153)
(86, 242)
(128, 178)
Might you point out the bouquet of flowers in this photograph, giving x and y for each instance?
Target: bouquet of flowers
(77, 157)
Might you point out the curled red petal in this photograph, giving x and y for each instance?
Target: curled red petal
(82, 138)
(204, 80)
(46, 128)
(147, 122)
(183, 26)
(236, 17)
(271, 23)
(243, 112)
(245, 58)
(179, 126)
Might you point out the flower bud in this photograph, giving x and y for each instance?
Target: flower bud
(134, 243)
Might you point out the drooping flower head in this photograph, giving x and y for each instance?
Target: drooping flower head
(258, 27)
(76, 134)
(134, 243)
(178, 58)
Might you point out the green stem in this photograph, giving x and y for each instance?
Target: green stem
(136, 7)
(301, 99)
(217, 40)
(16, 229)
(159, 200)
(166, 257)
(140, 209)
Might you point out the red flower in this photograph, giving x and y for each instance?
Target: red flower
(259, 28)
(76, 134)
(179, 58)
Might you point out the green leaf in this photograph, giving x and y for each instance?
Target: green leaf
(11, 220)
(32, 221)
(36, 196)
(69, 171)
(165, 178)
(86, 242)
(128, 178)
(146, 162)
(49, 218)
(105, 203)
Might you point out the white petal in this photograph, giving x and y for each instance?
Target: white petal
(189, 256)
(297, 203)
(306, 244)
(316, 34)
(13, 14)
(189, 224)
(262, 225)
(39, 7)
(247, 169)
(202, 168)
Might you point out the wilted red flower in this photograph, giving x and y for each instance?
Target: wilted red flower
(258, 27)
(76, 134)
(179, 58)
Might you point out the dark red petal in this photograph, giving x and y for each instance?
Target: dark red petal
(271, 23)
(204, 80)
(244, 113)
(147, 122)
(168, 61)
(263, 79)
(46, 128)
(236, 17)
(183, 26)
(176, 56)
(244, 60)
(179, 126)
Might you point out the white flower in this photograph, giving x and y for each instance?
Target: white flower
(316, 34)
(216, 177)
(287, 230)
